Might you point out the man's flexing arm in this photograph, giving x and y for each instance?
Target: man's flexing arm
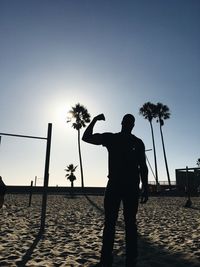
(88, 135)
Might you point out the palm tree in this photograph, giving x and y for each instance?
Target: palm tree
(80, 116)
(70, 173)
(148, 112)
(163, 113)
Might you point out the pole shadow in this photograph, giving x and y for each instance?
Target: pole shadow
(101, 210)
(29, 252)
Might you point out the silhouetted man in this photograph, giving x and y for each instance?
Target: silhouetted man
(126, 166)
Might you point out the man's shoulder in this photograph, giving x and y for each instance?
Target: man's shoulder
(107, 134)
(106, 138)
(137, 139)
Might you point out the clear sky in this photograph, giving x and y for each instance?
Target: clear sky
(111, 56)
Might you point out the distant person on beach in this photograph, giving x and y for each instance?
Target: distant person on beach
(126, 166)
(2, 192)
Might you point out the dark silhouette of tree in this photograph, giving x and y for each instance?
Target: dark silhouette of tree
(70, 173)
(148, 112)
(198, 162)
(163, 113)
(79, 117)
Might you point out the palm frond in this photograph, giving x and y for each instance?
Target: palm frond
(148, 111)
(162, 113)
(80, 115)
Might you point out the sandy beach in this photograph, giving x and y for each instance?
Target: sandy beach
(168, 232)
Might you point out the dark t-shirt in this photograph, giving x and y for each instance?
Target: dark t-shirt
(126, 154)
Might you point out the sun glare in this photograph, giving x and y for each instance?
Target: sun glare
(58, 113)
(62, 113)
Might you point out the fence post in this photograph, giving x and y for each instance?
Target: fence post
(30, 194)
(188, 203)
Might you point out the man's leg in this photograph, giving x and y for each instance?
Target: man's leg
(130, 207)
(111, 207)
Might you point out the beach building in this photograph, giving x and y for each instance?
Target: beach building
(188, 178)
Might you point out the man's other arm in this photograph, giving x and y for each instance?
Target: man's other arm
(144, 175)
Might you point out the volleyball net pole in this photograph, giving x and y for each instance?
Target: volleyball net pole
(46, 179)
(46, 170)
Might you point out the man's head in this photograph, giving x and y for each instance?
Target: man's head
(128, 123)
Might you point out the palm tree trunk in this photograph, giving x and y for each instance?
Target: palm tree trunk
(165, 158)
(154, 151)
(80, 159)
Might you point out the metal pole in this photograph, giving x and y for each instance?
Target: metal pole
(35, 180)
(30, 194)
(46, 178)
(188, 203)
(23, 136)
(150, 167)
